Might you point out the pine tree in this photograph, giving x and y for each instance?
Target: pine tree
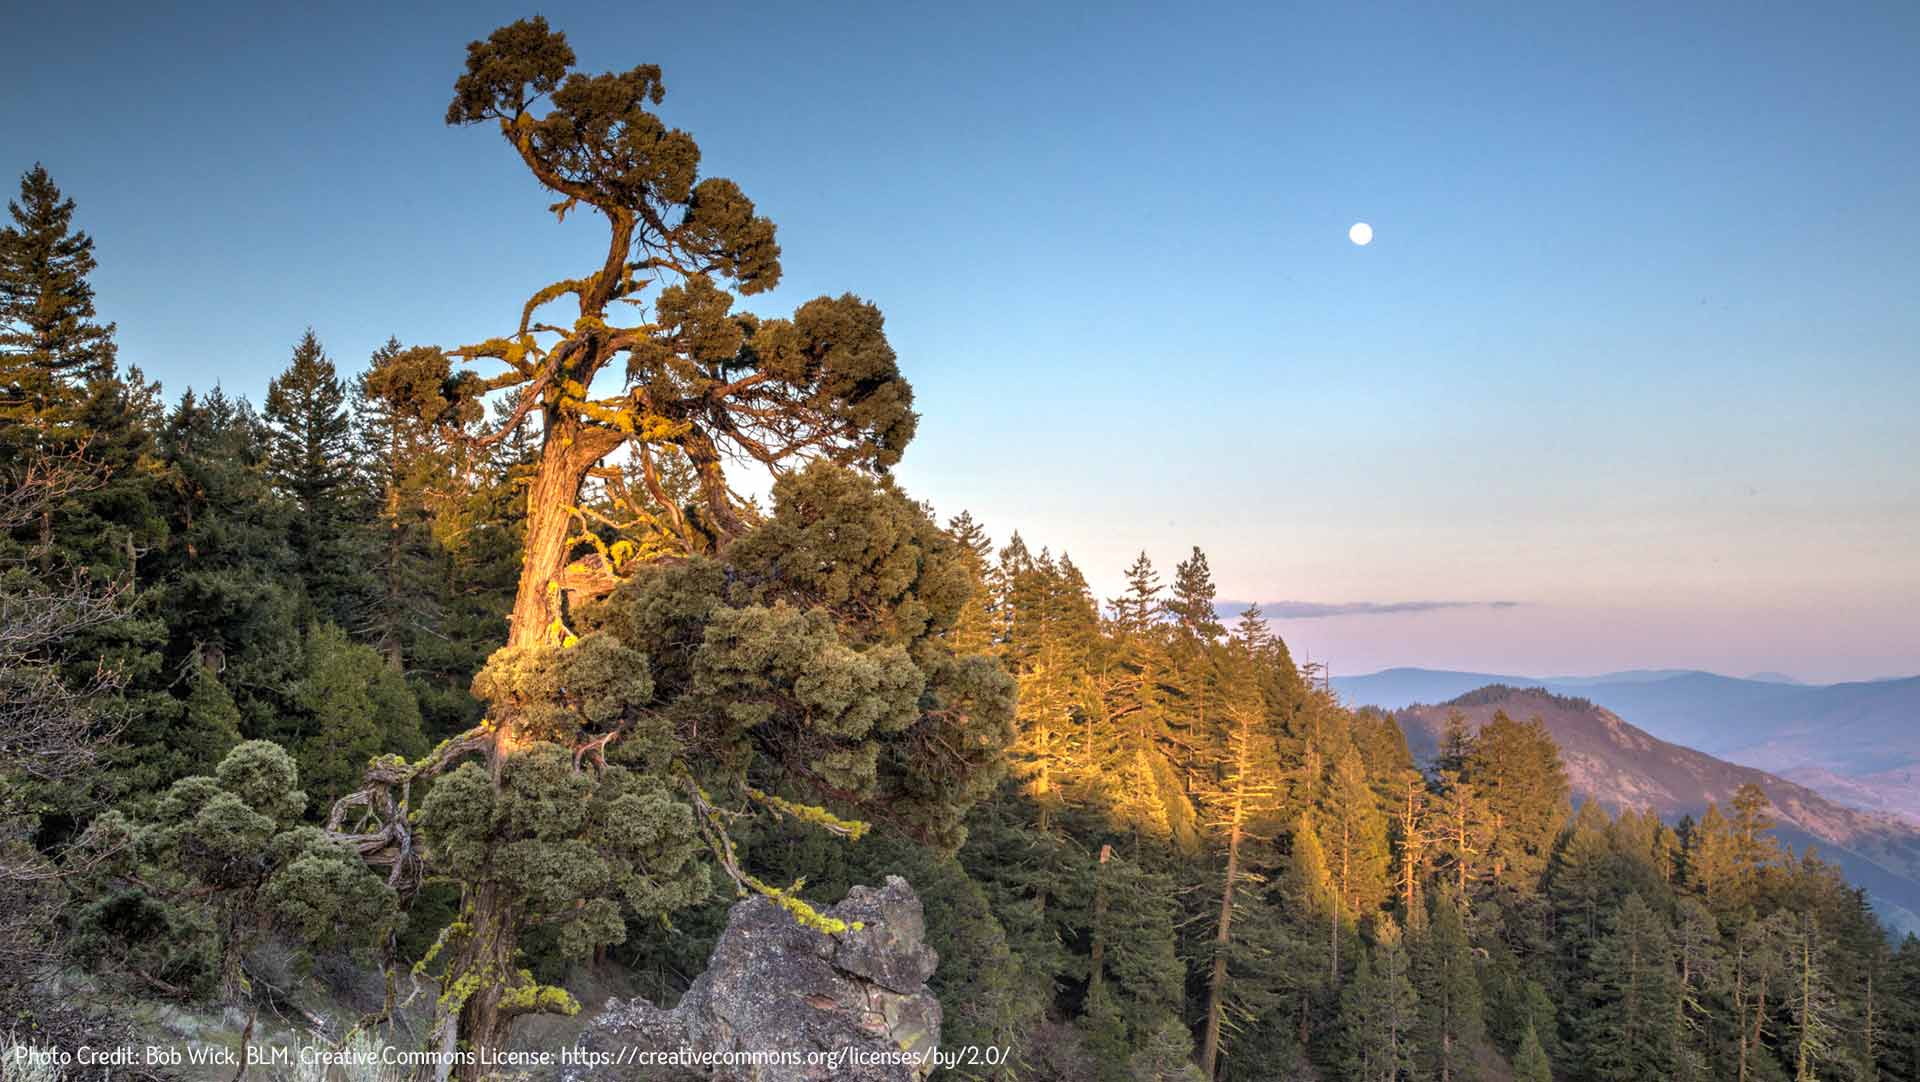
(312, 466)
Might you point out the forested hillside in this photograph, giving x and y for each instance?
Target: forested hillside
(434, 666)
(1623, 767)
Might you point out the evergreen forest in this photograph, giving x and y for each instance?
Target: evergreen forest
(489, 667)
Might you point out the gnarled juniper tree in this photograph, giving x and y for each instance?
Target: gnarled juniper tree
(669, 661)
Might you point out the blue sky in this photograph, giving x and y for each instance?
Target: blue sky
(1636, 344)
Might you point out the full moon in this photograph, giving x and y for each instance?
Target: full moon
(1361, 234)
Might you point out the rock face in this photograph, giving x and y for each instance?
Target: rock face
(786, 1003)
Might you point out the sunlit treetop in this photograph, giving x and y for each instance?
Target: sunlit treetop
(700, 379)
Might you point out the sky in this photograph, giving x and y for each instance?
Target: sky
(1629, 376)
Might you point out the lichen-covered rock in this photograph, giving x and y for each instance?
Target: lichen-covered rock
(787, 1003)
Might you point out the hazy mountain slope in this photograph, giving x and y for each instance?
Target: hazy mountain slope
(1622, 765)
(1849, 729)
(1896, 790)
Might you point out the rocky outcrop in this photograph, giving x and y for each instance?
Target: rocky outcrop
(783, 1002)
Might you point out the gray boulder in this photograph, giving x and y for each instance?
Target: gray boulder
(781, 1002)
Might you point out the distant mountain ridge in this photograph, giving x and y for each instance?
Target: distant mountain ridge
(1853, 730)
(1621, 765)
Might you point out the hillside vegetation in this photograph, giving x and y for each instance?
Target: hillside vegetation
(446, 677)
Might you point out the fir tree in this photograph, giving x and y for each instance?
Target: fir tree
(50, 347)
(1530, 1062)
(1377, 1009)
(1244, 793)
(1451, 1015)
(1515, 768)
(312, 465)
(401, 412)
(1312, 945)
(1628, 1027)
(978, 629)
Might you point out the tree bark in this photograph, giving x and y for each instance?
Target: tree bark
(1217, 986)
(550, 502)
(1099, 954)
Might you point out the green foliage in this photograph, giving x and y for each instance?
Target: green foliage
(1627, 1028)
(347, 707)
(181, 893)
(1530, 1062)
(311, 463)
(1451, 1022)
(50, 348)
(580, 851)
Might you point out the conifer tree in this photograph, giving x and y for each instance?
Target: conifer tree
(1191, 605)
(1356, 834)
(1810, 1002)
(1135, 716)
(1313, 914)
(978, 629)
(51, 349)
(1698, 964)
(1713, 860)
(1411, 841)
(62, 396)
(1052, 632)
(1515, 768)
(1377, 1011)
(1134, 611)
(1900, 1050)
(1754, 847)
(1451, 1014)
(1530, 1062)
(1461, 830)
(1628, 1027)
(347, 708)
(402, 417)
(1244, 793)
(1456, 744)
(1581, 888)
(226, 856)
(312, 466)
(1759, 961)
(226, 575)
